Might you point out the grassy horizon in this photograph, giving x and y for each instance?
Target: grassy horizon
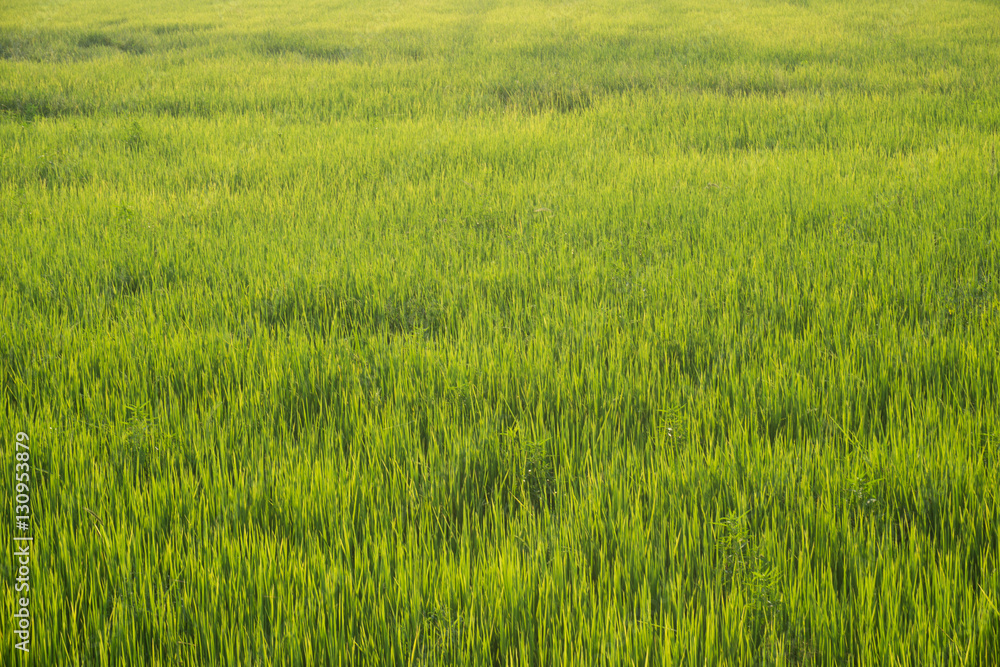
(503, 333)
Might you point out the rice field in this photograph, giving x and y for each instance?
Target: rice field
(468, 332)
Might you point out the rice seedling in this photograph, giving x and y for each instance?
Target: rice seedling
(461, 332)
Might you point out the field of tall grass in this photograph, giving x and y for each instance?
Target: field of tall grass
(503, 333)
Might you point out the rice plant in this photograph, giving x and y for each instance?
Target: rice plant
(489, 333)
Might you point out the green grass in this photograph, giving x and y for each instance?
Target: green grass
(494, 333)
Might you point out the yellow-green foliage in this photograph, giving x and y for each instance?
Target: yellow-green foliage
(484, 333)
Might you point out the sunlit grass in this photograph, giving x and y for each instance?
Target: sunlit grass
(489, 333)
